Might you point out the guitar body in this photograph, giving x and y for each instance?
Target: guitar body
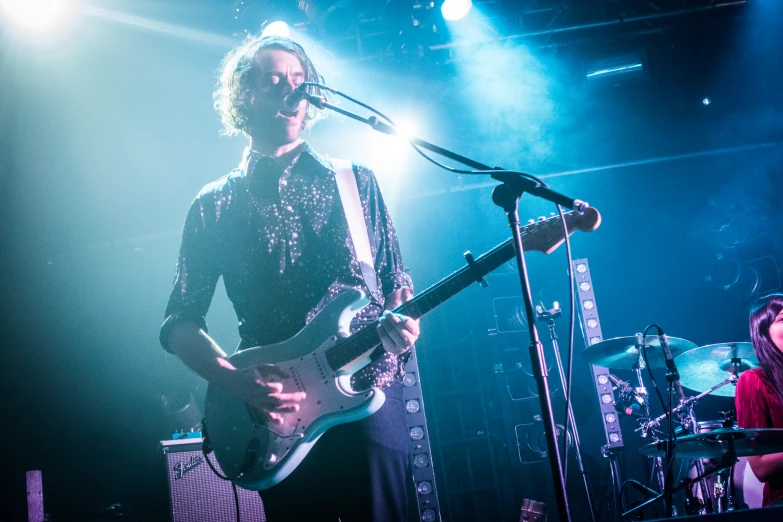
(257, 453)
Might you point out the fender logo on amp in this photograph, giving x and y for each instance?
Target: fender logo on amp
(181, 468)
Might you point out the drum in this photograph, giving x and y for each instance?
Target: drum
(744, 488)
(748, 490)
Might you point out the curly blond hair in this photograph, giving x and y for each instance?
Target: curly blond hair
(238, 76)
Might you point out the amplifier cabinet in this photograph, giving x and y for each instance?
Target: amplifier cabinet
(197, 494)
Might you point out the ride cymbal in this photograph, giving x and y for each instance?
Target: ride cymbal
(622, 353)
(703, 367)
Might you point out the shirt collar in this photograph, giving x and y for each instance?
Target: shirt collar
(250, 158)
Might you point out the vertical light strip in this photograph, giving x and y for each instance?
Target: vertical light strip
(591, 329)
(419, 443)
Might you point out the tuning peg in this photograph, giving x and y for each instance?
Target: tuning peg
(542, 218)
(531, 221)
(551, 214)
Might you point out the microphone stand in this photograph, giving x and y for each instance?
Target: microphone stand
(506, 195)
(549, 316)
(672, 379)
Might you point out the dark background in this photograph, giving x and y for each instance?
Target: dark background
(107, 133)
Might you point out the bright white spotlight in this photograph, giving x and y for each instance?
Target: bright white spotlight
(405, 130)
(35, 15)
(454, 10)
(277, 29)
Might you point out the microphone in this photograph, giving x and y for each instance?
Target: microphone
(291, 102)
(629, 398)
(675, 375)
(623, 386)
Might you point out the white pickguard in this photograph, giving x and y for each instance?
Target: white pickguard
(235, 432)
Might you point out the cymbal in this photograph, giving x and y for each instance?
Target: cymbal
(622, 353)
(715, 443)
(704, 367)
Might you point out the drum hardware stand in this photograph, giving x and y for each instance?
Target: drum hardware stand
(550, 316)
(728, 460)
(641, 390)
(688, 420)
(645, 427)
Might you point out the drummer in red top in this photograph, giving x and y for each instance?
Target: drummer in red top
(759, 399)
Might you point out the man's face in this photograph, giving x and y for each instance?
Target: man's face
(279, 74)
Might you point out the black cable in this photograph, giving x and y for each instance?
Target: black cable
(236, 499)
(569, 364)
(649, 370)
(206, 449)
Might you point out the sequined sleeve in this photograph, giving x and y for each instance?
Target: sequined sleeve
(197, 272)
(388, 259)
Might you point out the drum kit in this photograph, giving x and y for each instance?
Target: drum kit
(712, 454)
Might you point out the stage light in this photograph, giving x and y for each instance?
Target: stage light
(454, 10)
(417, 433)
(35, 15)
(429, 515)
(706, 101)
(277, 28)
(421, 460)
(409, 379)
(616, 70)
(412, 406)
(424, 487)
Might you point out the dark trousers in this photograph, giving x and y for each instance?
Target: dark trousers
(357, 472)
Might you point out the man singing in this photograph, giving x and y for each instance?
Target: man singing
(274, 228)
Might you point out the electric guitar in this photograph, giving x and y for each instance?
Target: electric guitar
(257, 453)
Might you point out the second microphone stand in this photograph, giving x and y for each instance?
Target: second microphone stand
(549, 316)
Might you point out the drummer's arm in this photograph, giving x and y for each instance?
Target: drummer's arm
(752, 412)
(767, 467)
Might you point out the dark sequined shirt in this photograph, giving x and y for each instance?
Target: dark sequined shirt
(276, 231)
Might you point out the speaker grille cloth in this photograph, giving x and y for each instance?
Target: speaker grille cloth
(197, 495)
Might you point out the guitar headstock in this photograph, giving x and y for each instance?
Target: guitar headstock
(547, 234)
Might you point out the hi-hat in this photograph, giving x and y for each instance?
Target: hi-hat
(622, 353)
(716, 443)
(703, 367)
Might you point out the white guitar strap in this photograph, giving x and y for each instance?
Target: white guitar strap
(357, 227)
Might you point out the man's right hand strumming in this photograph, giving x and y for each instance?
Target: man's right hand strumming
(259, 387)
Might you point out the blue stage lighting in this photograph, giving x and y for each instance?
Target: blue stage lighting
(454, 10)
